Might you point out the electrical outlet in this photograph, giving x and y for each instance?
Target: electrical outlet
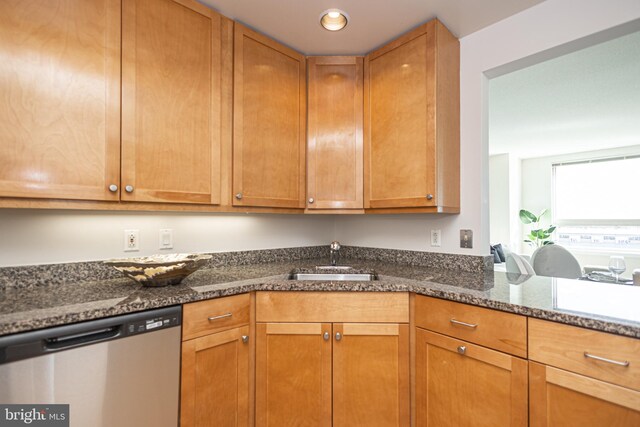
(166, 239)
(131, 239)
(436, 238)
(466, 239)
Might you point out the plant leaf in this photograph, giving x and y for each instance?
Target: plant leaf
(527, 217)
(547, 242)
(551, 229)
(533, 236)
(544, 211)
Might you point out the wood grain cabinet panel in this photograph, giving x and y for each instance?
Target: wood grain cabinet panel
(60, 98)
(215, 380)
(562, 398)
(459, 384)
(171, 101)
(334, 150)
(293, 374)
(269, 122)
(412, 136)
(495, 329)
(607, 357)
(371, 375)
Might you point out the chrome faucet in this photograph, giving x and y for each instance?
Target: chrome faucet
(334, 255)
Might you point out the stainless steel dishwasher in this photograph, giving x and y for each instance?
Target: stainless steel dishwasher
(120, 371)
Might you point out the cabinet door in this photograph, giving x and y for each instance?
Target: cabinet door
(334, 155)
(60, 98)
(269, 128)
(460, 384)
(215, 380)
(171, 91)
(293, 374)
(371, 375)
(561, 398)
(412, 125)
(401, 149)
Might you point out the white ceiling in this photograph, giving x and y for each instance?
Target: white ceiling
(372, 22)
(586, 100)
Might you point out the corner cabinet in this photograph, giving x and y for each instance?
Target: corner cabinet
(60, 99)
(412, 123)
(332, 359)
(217, 348)
(334, 147)
(269, 122)
(172, 76)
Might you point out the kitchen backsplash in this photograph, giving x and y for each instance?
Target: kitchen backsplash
(54, 274)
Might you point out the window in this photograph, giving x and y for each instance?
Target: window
(597, 203)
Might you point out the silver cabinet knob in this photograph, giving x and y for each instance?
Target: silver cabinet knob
(326, 336)
(129, 188)
(245, 338)
(338, 336)
(429, 196)
(239, 196)
(311, 200)
(462, 349)
(113, 188)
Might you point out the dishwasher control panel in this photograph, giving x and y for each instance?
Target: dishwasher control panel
(152, 323)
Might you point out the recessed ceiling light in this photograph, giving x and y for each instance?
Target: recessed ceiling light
(334, 19)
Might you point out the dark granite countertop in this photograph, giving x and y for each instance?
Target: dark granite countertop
(600, 306)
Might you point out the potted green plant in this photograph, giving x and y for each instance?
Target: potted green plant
(538, 236)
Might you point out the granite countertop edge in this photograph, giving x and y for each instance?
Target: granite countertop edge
(281, 283)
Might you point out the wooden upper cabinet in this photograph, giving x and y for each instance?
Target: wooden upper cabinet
(334, 147)
(412, 122)
(172, 52)
(269, 126)
(60, 98)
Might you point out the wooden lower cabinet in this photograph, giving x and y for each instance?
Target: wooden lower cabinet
(461, 384)
(305, 369)
(215, 380)
(293, 374)
(562, 398)
(370, 374)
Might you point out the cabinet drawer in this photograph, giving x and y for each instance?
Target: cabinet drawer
(580, 350)
(206, 317)
(490, 328)
(383, 307)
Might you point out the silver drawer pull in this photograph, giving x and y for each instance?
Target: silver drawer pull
(462, 349)
(468, 325)
(245, 338)
(222, 316)
(604, 359)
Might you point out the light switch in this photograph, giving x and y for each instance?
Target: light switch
(466, 239)
(166, 238)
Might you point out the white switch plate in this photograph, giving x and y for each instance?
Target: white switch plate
(436, 238)
(166, 239)
(131, 238)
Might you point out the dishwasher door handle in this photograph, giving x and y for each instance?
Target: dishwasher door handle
(82, 338)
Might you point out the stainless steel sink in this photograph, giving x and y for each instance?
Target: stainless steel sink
(333, 277)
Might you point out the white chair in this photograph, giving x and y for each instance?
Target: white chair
(517, 264)
(555, 261)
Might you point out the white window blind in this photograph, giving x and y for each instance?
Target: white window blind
(604, 190)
